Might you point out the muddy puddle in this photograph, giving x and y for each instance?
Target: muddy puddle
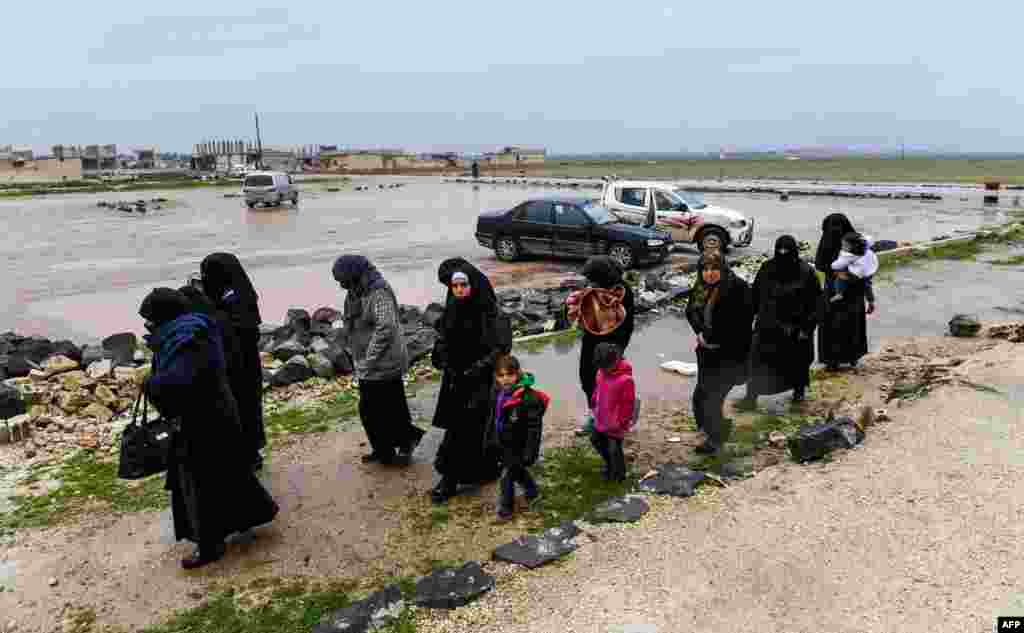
(70, 269)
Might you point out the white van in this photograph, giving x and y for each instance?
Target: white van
(269, 188)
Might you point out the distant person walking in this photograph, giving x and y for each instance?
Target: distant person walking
(228, 286)
(214, 492)
(476, 170)
(466, 350)
(787, 299)
(842, 335)
(381, 360)
(720, 314)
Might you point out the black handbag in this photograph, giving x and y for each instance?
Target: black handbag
(145, 445)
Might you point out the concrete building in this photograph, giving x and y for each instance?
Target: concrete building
(221, 156)
(99, 158)
(517, 157)
(15, 167)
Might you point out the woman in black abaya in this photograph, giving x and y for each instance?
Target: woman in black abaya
(229, 288)
(842, 334)
(213, 490)
(787, 297)
(466, 350)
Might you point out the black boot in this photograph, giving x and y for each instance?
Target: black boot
(443, 491)
(799, 394)
(204, 555)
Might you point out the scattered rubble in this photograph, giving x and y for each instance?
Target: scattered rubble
(453, 587)
(532, 551)
(137, 206)
(620, 510)
(672, 479)
(376, 611)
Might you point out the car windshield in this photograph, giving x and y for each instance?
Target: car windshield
(259, 181)
(599, 214)
(691, 199)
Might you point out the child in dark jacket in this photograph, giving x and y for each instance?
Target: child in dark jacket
(613, 405)
(518, 423)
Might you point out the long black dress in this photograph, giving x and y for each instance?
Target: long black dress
(466, 351)
(228, 286)
(843, 330)
(603, 272)
(787, 297)
(720, 369)
(213, 490)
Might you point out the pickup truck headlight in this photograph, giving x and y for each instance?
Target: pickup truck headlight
(738, 224)
(655, 242)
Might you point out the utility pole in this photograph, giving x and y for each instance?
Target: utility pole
(259, 144)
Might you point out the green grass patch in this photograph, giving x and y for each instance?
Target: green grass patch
(749, 434)
(1015, 260)
(571, 484)
(86, 482)
(438, 517)
(314, 417)
(274, 606)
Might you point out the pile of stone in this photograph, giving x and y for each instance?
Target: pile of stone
(56, 396)
(138, 206)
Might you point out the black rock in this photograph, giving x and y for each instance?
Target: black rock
(420, 344)
(289, 349)
(452, 587)
(510, 295)
(534, 315)
(321, 329)
(676, 292)
(534, 551)
(69, 350)
(674, 480)
(298, 320)
(340, 359)
(120, 348)
(620, 510)
(16, 366)
(295, 370)
(91, 354)
(538, 299)
(326, 315)
(432, 314)
(11, 402)
(376, 611)
(964, 325)
(409, 314)
(654, 282)
(813, 441)
(534, 329)
(38, 349)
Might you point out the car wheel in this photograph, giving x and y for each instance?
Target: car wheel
(506, 248)
(623, 255)
(715, 232)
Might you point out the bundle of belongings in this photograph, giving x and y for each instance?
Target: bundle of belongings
(597, 310)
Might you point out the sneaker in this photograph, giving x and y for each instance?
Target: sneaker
(204, 556)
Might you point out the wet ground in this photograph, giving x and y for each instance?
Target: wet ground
(338, 515)
(70, 269)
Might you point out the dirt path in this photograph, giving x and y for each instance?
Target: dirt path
(919, 529)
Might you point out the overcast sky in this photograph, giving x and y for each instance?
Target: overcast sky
(571, 76)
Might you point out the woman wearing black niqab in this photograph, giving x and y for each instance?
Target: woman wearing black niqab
(465, 350)
(228, 287)
(603, 272)
(786, 296)
(842, 334)
(213, 490)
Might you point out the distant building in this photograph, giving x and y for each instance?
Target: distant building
(19, 163)
(514, 157)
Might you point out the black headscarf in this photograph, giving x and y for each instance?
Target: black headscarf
(468, 324)
(785, 265)
(603, 272)
(833, 228)
(701, 290)
(163, 305)
(198, 302)
(222, 272)
(355, 273)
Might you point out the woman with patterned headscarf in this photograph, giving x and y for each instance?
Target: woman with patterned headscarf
(466, 350)
(787, 297)
(213, 490)
(228, 287)
(720, 313)
(843, 332)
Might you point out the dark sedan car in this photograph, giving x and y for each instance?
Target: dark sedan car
(569, 227)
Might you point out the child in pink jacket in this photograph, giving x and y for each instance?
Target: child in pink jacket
(614, 398)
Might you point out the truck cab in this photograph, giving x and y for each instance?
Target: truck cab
(682, 213)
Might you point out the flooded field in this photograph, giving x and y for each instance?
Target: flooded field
(71, 269)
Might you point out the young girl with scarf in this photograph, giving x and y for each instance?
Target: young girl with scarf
(213, 490)
(720, 313)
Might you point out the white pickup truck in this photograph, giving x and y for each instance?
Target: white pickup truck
(681, 213)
